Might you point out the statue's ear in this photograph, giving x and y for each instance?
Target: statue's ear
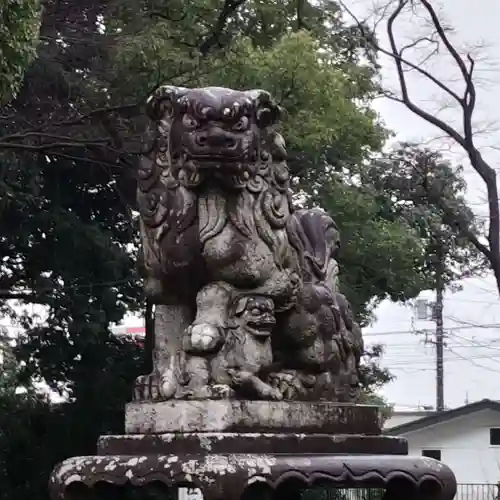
(162, 102)
(240, 305)
(267, 110)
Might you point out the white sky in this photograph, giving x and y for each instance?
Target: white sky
(472, 359)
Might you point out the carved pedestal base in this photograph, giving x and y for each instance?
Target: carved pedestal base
(281, 466)
(252, 449)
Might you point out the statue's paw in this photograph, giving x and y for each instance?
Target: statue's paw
(222, 391)
(202, 392)
(239, 377)
(139, 385)
(168, 385)
(183, 393)
(308, 381)
(276, 395)
(204, 337)
(272, 394)
(287, 384)
(147, 388)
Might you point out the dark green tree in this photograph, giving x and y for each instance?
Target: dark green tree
(418, 185)
(380, 257)
(373, 378)
(19, 29)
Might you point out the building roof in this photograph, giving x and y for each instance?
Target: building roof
(444, 416)
(412, 413)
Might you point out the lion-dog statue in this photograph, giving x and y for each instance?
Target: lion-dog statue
(245, 287)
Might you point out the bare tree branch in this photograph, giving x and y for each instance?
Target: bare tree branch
(466, 101)
(48, 146)
(228, 9)
(25, 297)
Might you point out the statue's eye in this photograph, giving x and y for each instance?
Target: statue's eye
(189, 121)
(255, 311)
(241, 124)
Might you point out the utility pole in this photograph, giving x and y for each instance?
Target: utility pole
(438, 316)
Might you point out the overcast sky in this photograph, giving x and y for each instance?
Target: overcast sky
(472, 359)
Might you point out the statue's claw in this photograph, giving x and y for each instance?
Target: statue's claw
(203, 337)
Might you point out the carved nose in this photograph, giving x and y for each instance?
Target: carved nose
(213, 139)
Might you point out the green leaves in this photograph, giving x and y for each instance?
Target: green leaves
(69, 233)
(19, 29)
(379, 258)
(315, 93)
(416, 185)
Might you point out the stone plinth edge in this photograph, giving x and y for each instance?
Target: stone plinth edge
(251, 416)
(229, 477)
(224, 442)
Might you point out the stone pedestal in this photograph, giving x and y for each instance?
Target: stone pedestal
(251, 416)
(234, 449)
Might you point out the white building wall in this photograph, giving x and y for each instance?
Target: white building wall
(465, 446)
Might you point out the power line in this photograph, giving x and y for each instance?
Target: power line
(412, 362)
(404, 348)
(474, 342)
(416, 332)
(470, 360)
(488, 302)
(464, 322)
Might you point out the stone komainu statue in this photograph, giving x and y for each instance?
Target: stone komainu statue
(247, 302)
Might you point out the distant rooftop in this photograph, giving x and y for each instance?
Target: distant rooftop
(434, 417)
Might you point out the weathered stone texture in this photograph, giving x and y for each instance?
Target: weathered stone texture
(200, 443)
(251, 416)
(230, 476)
(247, 286)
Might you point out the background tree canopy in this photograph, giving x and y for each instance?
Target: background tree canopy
(19, 30)
(69, 145)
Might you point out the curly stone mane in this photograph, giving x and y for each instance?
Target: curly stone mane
(180, 187)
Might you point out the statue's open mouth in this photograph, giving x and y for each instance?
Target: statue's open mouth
(216, 146)
(215, 162)
(216, 158)
(261, 328)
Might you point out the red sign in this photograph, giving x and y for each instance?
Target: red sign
(137, 330)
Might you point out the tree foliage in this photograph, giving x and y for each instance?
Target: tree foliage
(19, 26)
(418, 185)
(380, 258)
(69, 152)
(36, 433)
